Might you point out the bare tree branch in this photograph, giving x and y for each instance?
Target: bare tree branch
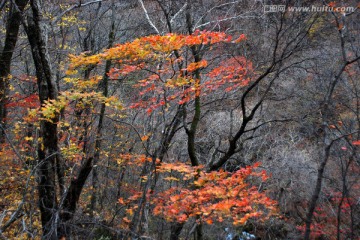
(178, 13)
(148, 17)
(221, 20)
(211, 9)
(2, 4)
(72, 8)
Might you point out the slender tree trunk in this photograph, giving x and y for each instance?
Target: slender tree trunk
(72, 196)
(48, 146)
(104, 86)
(197, 112)
(316, 194)
(11, 36)
(327, 117)
(191, 132)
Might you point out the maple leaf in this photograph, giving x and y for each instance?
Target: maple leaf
(126, 220)
(241, 38)
(332, 4)
(144, 138)
(209, 221)
(121, 201)
(182, 218)
(196, 65)
(171, 179)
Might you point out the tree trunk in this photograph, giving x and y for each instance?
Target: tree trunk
(328, 114)
(73, 194)
(316, 194)
(175, 230)
(98, 144)
(12, 30)
(48, 146)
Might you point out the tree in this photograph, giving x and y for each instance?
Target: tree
(157, 136)
(55, 211)
(12, 30)
(171, 78)
(328, 108)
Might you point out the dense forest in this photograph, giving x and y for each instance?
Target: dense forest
(179, 119)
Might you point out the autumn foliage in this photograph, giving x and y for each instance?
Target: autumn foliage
(165, 75)
(207, 197)
(166, 119)
(214, 196)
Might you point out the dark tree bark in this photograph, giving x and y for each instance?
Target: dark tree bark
(175, 230)
(104, 87)
(191, 132)
(53, 215)
(48, 146)
(12, 30)
(72, 195)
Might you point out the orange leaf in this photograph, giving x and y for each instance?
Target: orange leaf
(144, 138)
(331, 4)
(209, 221)
(240, 39)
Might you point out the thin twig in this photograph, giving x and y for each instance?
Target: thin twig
(11, 144)
(2, 4)
(178, 13)
(16, 215)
